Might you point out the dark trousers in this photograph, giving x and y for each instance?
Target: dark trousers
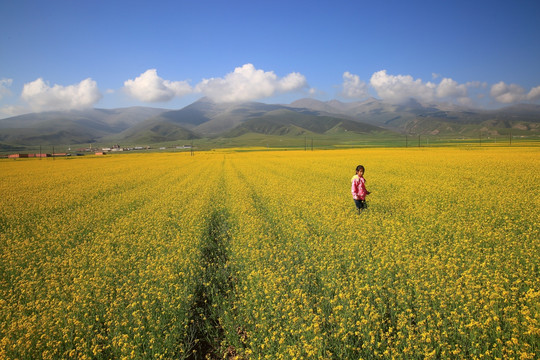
(360, 204)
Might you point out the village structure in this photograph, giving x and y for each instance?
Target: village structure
(92, 150)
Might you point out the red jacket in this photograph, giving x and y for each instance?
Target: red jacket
(358, 188)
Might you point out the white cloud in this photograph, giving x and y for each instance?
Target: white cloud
(398, 88)
(353, 87)
(512, 93)
(40, 96)
(450, 88)
(246, 83)
(4, 85)
(507, 94)
(534, 94)
(149, 87)
(465, 101)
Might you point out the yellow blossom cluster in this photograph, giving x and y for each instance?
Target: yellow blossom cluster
(99, 256)
(263, 255)
(444, 263)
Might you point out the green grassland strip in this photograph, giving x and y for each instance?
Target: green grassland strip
(214, 283)
(215, 279)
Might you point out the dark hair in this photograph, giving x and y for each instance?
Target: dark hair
(360, 167)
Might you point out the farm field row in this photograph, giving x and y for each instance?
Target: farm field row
(262, 255)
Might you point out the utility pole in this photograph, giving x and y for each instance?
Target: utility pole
(406, 141)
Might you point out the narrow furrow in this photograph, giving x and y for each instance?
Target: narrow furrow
(215, 281)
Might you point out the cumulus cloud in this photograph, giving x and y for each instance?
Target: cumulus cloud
(450, 88)
(4, 85)
(512, 93)
(246, 83)
(398, 88)
(534, 94)
(507, 94)
(353, 87)
(149, 87)
(40, 96)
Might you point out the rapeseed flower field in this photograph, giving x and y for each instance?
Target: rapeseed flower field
(262, 255)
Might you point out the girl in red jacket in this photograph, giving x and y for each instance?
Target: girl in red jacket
(358, 189)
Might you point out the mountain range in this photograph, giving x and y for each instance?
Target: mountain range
(206, 119)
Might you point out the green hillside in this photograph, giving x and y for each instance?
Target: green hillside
(286, 122)
(153, 132)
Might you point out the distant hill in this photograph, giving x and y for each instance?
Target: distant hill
(205, 118)
(414, 117)
(209, 118)
(149, 132)
(288, 122)
(70, 127)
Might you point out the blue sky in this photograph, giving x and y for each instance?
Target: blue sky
(107, 54)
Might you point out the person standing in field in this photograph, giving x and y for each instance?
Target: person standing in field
(358, 189)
